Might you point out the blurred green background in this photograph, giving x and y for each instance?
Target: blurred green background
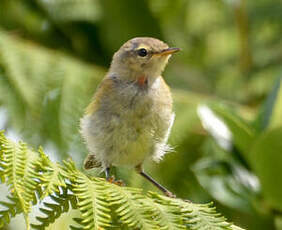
(226, 85)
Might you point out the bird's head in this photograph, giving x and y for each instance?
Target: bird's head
(142, 56)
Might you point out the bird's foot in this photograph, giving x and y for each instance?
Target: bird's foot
(119, 183)
(112, 180)
(170, 194)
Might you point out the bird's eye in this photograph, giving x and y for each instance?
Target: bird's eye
(142, 52)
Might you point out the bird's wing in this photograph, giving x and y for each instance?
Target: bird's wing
(91, 162)
(104, 89)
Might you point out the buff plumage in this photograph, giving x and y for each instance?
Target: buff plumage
(130, 116)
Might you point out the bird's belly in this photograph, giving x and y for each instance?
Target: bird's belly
(132, 152)
(120, 139)
(131, 138)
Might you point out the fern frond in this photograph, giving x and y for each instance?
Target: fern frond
(200, 216)
(167, 215)
(92, 199)
(62, 201)
(130, 209)
(51, 178)
(12, 208)
(30, 179)
(204, 215)
(18, 163)
(20, 85)
(101, 204)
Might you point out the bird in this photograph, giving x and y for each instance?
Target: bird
(130, 116)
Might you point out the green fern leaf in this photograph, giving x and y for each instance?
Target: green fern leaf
(92, 200)
(130, 209)
(167, 215)
(17, 168)
(52, 177)
(62, 201)
(200, 216)
(12, 208)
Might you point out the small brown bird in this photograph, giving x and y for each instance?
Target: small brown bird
(130, 116)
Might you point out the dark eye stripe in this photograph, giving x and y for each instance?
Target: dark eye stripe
(142, 52)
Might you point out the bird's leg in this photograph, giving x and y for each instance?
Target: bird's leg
(107, 173)
(149, 178)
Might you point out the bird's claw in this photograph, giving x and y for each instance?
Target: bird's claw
(119, 183)
(112, 180)
(170, 194)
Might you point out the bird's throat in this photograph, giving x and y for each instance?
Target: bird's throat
(142, 81)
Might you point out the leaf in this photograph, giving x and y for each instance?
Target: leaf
(243, 134)
(92, 202)
(52, 179)
(200, 216)
(62, 201)
(271, 113)
(11, 209)
(223, 186)
(18, 162)
(130, 210)
(72, 10)
(267, 163)
(166, 213)
(225, 179)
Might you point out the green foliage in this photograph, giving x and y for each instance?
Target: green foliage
(96, 199)
(243, 133)
(166, 216)
(256, 153)
(12, 208)
(268, 164)
(72, 10)
(92, 199)
(271, 111)
(62, 201)
(50, 85)
(18, 165)
(220, 173)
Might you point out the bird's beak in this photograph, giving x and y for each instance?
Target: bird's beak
(168, 51)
